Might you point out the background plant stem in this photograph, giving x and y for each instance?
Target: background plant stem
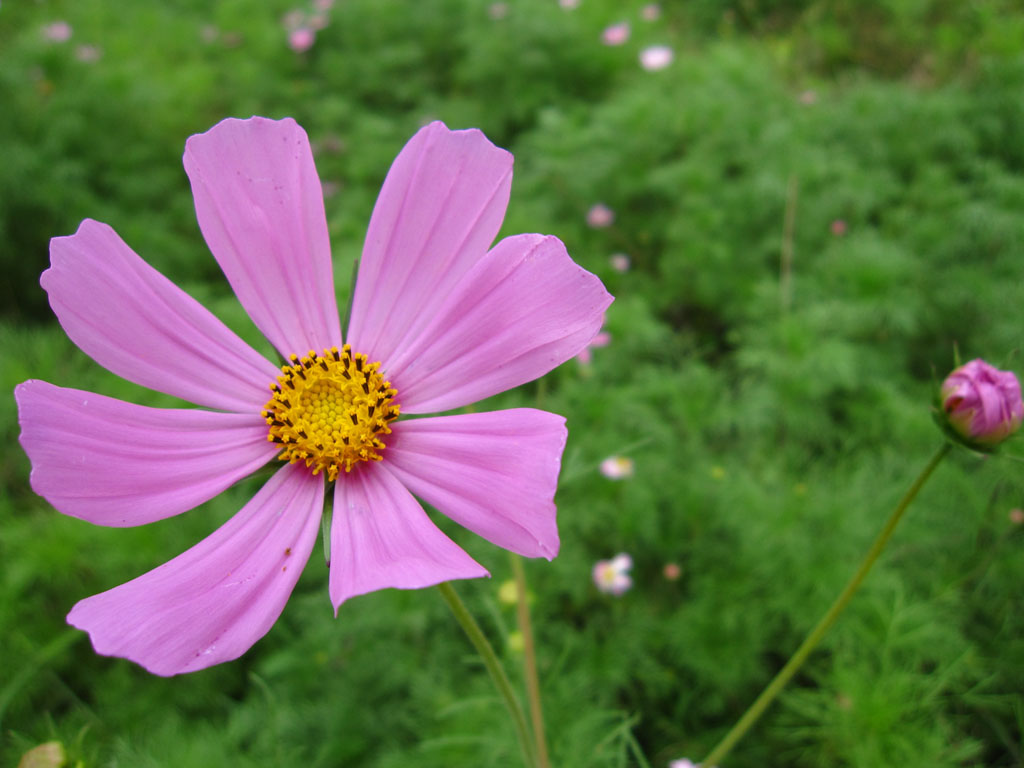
(493, 664)
(530, 663)
(796, 661)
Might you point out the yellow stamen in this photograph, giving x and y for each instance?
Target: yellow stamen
(330, 411)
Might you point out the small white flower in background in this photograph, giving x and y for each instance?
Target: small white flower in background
(656, 57)
(616, 34)
(619, 262)
(600, 216)
(498, 11)
(617, 467)
(569, 5)
(612, 576)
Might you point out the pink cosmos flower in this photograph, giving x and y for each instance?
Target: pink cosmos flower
(446, 318)
(619, 261)
(57, 32)
(656, 57)
(838, 227)
(616, 34)
(612, 576)
(600, 216)
(982, 403)
(301, 40)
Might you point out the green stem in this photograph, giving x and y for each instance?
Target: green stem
(530, 663)
(786, 673)
(493, 664)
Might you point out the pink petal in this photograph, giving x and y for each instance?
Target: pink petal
(381, 537)
(494, 473)
(438, 212)
(135, 322)
(119, 464)
(211, 603)
(260, 206)
(522, 310)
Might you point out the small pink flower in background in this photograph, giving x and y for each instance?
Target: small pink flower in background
(612, 576)
(600, 216)
(498, 11)
(838, 227)
(57, 32)
(683, 763)
(445, 317)
(656, 57)
(1017, 516)
(650, 12)
(617, 467)
(569, 5)
(981, 403)
(88, 53)
(616, 34)
(323, 5)
(318, 21)
(808, 97)
(209, 33)
(619, 262)
(586, 355)
(672, 572)
(301, 40)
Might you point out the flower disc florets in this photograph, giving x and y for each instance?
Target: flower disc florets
(330, 411)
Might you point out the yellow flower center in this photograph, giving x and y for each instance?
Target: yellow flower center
(330, 411)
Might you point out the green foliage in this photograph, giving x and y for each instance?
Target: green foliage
(775, 407)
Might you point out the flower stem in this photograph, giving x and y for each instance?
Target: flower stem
(530, 663)
(493, 664)
(786, 673)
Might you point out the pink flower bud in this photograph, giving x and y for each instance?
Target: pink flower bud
(982, 404)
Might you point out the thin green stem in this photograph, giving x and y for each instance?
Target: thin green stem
(530, 663)
(493, 664)
(786, 673)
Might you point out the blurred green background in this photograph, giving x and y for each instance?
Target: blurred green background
(819, 202)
